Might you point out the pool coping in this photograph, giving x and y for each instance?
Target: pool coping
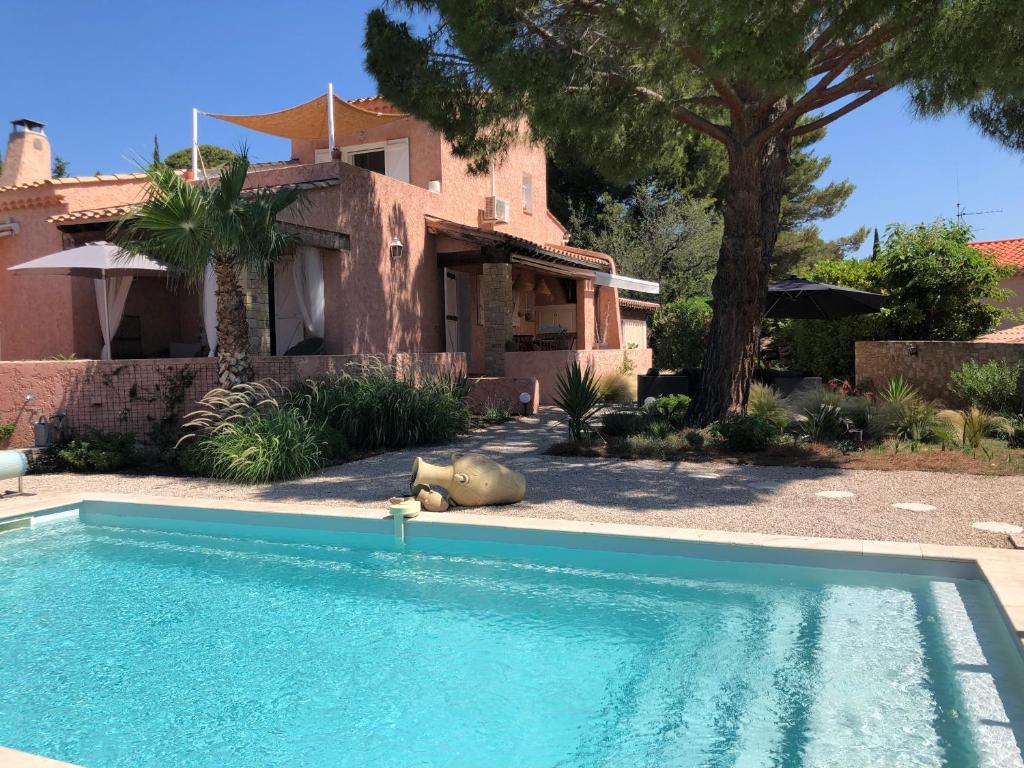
(1001, 569)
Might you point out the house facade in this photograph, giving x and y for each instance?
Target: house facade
(402, 250)
(1008, 253)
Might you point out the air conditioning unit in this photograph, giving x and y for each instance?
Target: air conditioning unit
(496, 209)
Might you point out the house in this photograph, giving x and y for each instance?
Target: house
(1008, 253)
(402, 250)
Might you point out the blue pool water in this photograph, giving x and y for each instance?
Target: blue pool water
(130, 647)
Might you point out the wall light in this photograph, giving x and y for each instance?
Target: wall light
(396, 248)
(525, 398)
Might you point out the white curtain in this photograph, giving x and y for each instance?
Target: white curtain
(308, 275)
(210, 309)
(111, 295)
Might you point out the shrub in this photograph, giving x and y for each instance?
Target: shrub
(743, 432)
(975, 424)
(618, 387)
(374, 409)
(6, 430)
(920, 422)
(262, 446)
(654, 447)
(679, 333)
(578, 395)
(993, 386)
(1015, 432)
(695, 438)
(670, 408)
(767, 403)
(99, 451)
(496, 412)
(823, 425)
(623, 423)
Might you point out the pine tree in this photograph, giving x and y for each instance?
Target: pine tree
(629, 83)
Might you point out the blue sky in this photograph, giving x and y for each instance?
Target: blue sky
(106, 75)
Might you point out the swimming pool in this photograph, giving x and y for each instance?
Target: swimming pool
(133, 635)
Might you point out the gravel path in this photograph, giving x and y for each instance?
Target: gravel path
(712, 495)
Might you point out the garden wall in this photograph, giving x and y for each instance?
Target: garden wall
(545, 366)
(925, 364)
(504, 390)
(149, 397)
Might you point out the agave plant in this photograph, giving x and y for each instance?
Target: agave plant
(578, 394)
(898, 391)
(823, 425)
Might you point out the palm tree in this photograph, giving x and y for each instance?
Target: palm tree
(186, 226)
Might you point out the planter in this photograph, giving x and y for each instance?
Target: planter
(659, 386)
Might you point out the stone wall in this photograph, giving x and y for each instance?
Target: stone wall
(546, 366)
(257, 310)
(149, 397)
(498, 308)
(925, 364)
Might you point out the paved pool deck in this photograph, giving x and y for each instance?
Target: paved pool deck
(709, 495)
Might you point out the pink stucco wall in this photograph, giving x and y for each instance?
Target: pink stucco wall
(130, 395)
(505, 390)
(546, 366)
(374, 304)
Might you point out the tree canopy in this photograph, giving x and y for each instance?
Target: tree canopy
(628, 84)
(213, 156)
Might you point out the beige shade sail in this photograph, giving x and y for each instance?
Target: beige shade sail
(309, 121)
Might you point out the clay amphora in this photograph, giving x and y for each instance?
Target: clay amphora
(472, 480)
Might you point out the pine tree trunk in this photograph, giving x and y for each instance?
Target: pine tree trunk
(234, 365)
(751, 226)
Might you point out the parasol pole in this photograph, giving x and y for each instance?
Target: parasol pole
(195, 143)
(330, 119)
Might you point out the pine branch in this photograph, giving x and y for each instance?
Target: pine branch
(876, 91)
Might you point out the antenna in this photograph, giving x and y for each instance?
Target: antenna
(961, 213)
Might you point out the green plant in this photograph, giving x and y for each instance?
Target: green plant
(920, 422)
(766, 402)
(189, 226)
(898, 391)
(578, 395)
(994, 386)
(975, 424)
(679, 333)
(618, 387)
(659, 428)
(623, 423)
(221, 406)
(695, 438)
(496, 412)
(259, 447)
(670, 408)
(99, 451)
(823, 425)
(373, 408)
(648, 446)
(1015, 432)
(6, 430)
(744, 432)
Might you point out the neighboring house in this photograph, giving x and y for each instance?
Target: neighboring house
(1008, 253)
(402, 250)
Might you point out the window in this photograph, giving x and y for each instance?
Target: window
(527, 193)
(371, 161)
(390, 158)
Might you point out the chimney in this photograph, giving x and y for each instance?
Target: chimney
(28, 154)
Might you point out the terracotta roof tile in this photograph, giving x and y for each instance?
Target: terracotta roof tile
(637, 304)
(1006, 252)
(1011, 335)
(90, 215)
(74, 180)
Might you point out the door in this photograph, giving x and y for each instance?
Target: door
(452, 335)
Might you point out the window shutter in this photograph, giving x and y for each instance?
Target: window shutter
(396, 159)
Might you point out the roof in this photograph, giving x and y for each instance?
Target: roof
(1012, 335)
(639, 306)
(1009, 253)
(549, 252)
(93, 215)
(74, 180)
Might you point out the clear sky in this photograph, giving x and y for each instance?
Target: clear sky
(105, 76)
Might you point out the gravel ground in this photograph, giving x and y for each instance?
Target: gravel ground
(712, 495)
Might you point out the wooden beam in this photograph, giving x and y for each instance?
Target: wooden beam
(318, 238)
(483, 256)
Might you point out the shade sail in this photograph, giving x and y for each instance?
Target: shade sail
(798, 299)
(309, 120)
(626, 283)
(95, 260)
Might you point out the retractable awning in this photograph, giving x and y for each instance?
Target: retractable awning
(309, 120)
(626, 283)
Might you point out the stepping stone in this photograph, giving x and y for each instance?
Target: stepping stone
(706, 476)
(835, 494)
(993, 527)
(766, 485)
(914, 506)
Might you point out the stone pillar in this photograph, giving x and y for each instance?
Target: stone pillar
(257, 311)
(585, 316)
(498, 308)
